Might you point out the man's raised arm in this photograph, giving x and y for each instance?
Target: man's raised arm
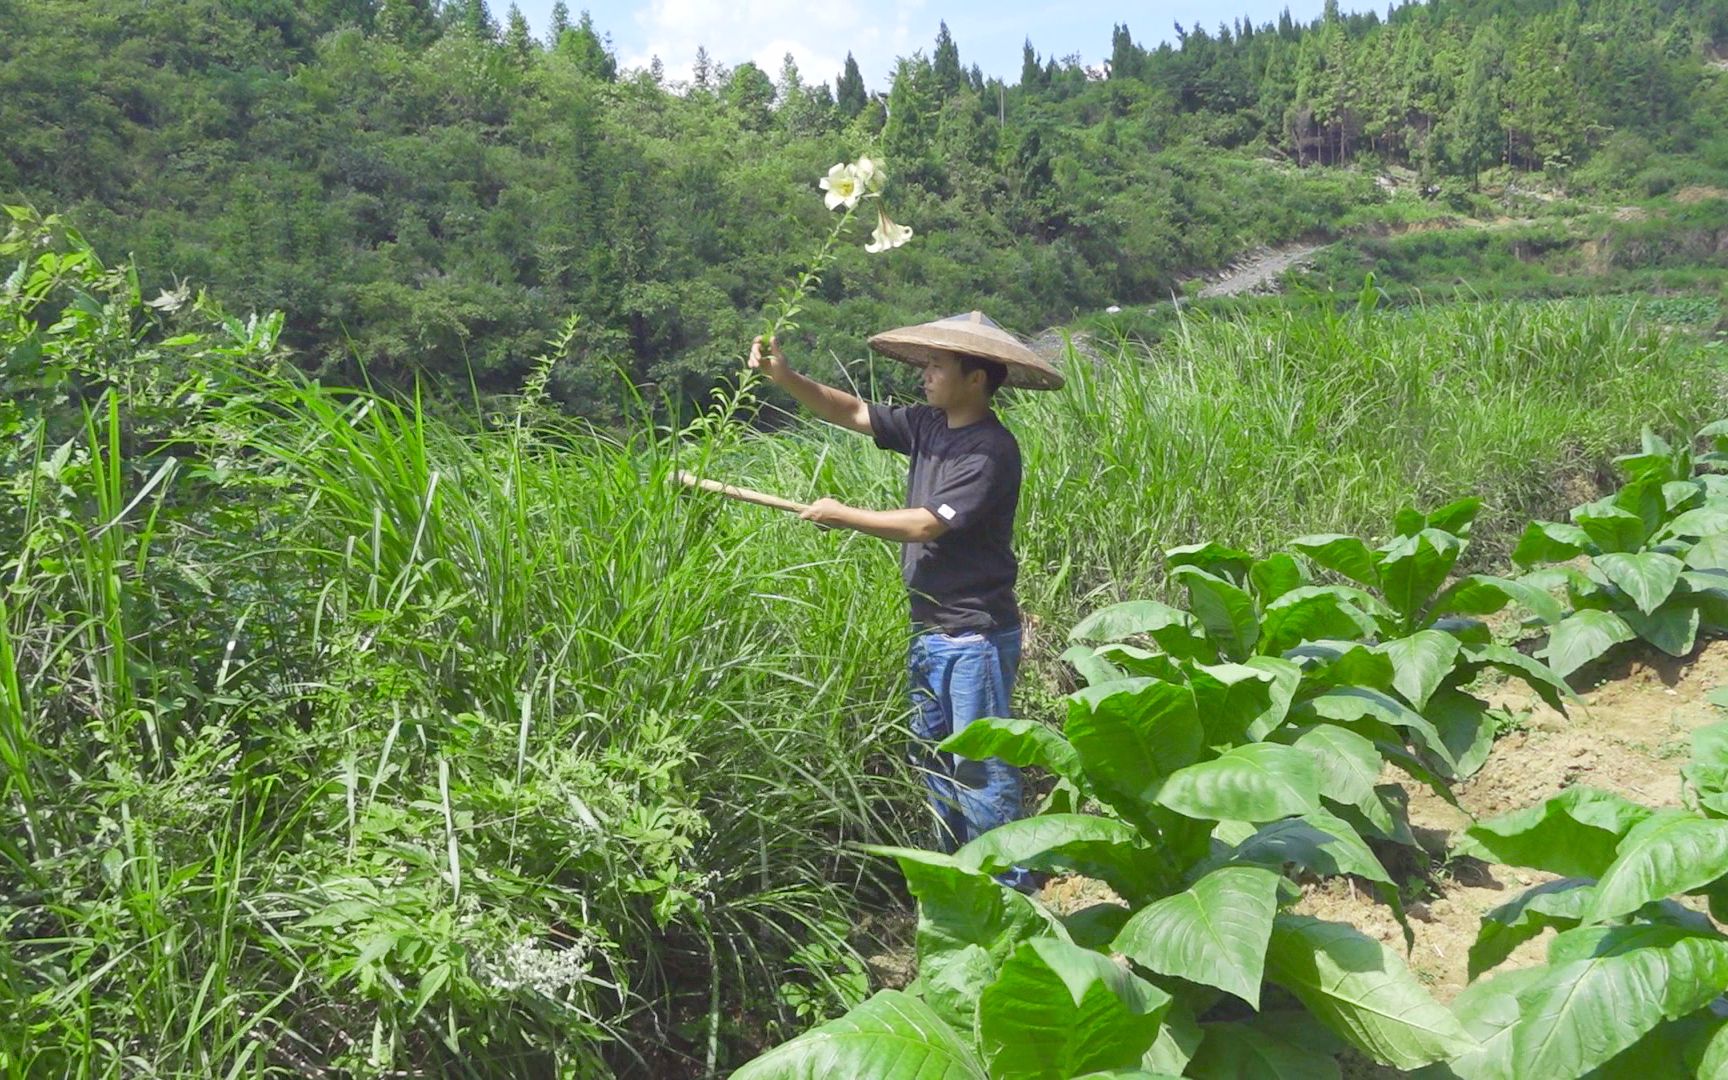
(834, 406)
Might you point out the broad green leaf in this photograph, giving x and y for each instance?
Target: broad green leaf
(1559, 904)
(1673, 629)
(1551, 542)
(1535, 674)
(1093, 668)
(1408, 521)
(1671, 1048)
(1341, 554)
(1648, 577)
(1214, 558)
(1214, 933)
(1224, 610)
(1611, 528)
(1096, 925)
(892, 1035)
(1286, 679)
(1644, 498)
(1420, 663)
(1681, 495)
(1349, 764)
(1104, 848)
(1134, 662)
(1134, 618)
(1465, 728)
(1180, 1036)
(1271, 1046)
(1355, 703)
(1317, 841)
(1130, 735)
(1707, 520)
(1276, 575)
(1344, 664)
(1412, 568)
(1363, 991)
(1669, 852)
(1488, 1009)
(1714, 1061)
(1057, 1010)
(1018, 742)
(1581, 637)
(1256, 782)
(1455, 517)
(967, 925)
(1710, 553)
(1707, 772)
(1479, 594)
(1574, 834)
(1604, 988)
(1229, 698)
(1314, 613)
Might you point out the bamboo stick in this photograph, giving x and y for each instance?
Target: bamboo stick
(740, 493)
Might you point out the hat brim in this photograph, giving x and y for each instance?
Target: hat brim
(921, 344)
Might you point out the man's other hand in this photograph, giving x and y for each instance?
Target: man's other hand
(772, 363)
(825, 512)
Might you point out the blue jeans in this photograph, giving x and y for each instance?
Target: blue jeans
(956, 679)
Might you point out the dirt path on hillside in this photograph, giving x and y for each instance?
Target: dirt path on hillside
(1260, 270)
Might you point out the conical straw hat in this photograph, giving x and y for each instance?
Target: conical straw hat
(972, 334)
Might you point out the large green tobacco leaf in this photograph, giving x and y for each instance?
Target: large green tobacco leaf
(1710, 553)
(1673, 629)
(1604, 989)
(1351, 703)
(1582, 637)
(1349, 763)
(1214, 558)
(1466, 729)
(1611, 528)
(1670, 852)
(892, 1036)
(1275, 575)
(967, 925)
(1229, 698)
(1671, 1048)
(1341, 554)
(1057, 1010)
(1363, 991)
(1710, 519)
(1559, 904)
(1315, 613)
(1535, 674)
(1286, 680)
(1479, 594)
(1647, 577)
(1488, 1009)
(1130, 735)
(1455, 517)
(1318, 841)
(1551, 542)
(1413, 567)
(1257, 782)
(1018, 742)
(1174, 630)
(1271, 1046)
(1224, 610)
(1214, 932)
(1707, 772)
(1575, 834)
(1104, 848)
(1420, 663)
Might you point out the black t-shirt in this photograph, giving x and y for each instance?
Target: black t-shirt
(969, 477)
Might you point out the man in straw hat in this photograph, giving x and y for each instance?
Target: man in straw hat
(956, 533)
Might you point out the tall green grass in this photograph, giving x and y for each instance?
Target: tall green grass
(338, 735)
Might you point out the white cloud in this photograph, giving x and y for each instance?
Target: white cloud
(818, 35)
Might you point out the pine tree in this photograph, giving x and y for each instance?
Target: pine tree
(591, 55)
(946, 64)
(1124, 57)
(1031, 72)
(702, 71)
(409, 23)
(557, 23)
(517, 36)
(849, 92)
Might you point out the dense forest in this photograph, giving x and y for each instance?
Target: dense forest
(429, 188)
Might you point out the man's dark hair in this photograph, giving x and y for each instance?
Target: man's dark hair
(995, 374)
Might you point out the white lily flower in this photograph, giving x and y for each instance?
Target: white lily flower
(887, 235)
(843, 185)
(870, 174)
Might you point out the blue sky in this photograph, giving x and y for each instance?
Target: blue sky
(819, 33)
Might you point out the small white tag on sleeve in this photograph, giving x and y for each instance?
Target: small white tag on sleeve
(946, 511)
